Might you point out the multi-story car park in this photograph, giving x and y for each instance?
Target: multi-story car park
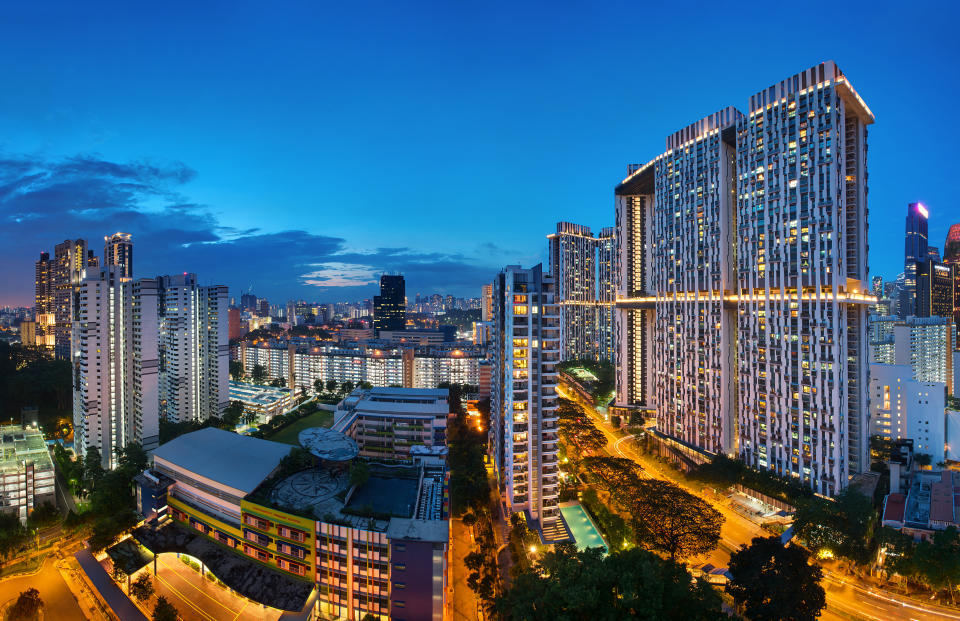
(26, 471)
(324, 546)
(742, 310)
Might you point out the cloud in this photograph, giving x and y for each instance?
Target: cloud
(44, 201)
(336, 274)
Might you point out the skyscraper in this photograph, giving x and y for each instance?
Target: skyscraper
(118, 250)
(743, 271)
(584, 270)
(115, 363)
(573, 269)
(951, 257)
(390, 307)
(915, 251)
(71, 261)
(523, 420)
(44, 318)
(486, 303)
(194, 349)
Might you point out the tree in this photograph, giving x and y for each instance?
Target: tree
(630, 584)
(236, 370)
(164, 610)
(670, 519)
(232, 414)
(249, 417)
(612, 473)
(359, 473)
(938, 561)
(331, 386)
(259, 374)
(119, 574)
(142, 588)
(582, 434)
(841, 526)
(279, 382)
(317, 386)
(27, 606)
(772, 582)
(92, 466)
(12, 534)
(347, 387)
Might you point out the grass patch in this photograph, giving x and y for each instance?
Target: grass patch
(290, 433)
(23, 567)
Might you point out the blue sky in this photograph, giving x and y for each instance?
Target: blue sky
(304, 148)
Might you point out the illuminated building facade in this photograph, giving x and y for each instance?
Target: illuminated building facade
(118, 250)
(115, 364)
(584, 269)
(194, 349)
(523, 420)
(743, 264)
(390, 307)
(71, 259)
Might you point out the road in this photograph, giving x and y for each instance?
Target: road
(58, 601)
(846, 595)
(464, 599)
(199, 599)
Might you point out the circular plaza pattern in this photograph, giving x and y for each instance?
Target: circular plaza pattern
(308, 488)
(328, 445)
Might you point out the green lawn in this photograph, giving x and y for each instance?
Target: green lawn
(288, 435)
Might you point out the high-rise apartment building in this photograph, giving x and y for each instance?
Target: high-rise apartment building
(951, 257)
(743, 272)
(390, 307)
(115, 363)
(194, 349)
(70, 264)
(43, 315)
(573, 268)
(916, 250)
(486, 303)
(523, 420)
(118, 250)
(584, 270)
(607, 283)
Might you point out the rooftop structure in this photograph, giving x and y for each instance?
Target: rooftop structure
(26, 471)
(327, 444)
(232, 460)
(266, 401)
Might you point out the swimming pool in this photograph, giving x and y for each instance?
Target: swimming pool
(582, 527)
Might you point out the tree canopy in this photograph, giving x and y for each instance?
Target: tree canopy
(568, 585)
(772, 582)
(669, 519)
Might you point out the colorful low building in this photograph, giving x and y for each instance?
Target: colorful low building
(377, 547)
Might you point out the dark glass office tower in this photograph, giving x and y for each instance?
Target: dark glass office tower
(390, 307)
(915, 251)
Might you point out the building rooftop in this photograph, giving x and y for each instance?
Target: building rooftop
(19, 445)
(237, 461)
(894, 508)
(425, 530)
(328, 444)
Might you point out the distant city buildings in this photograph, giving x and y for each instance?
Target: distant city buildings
(70, 264)
(302, 361)
(743, 276)
(390, 307)
(523, 419)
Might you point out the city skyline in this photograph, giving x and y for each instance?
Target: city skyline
(304, 206)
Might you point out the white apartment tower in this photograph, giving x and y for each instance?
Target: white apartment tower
(743, 271)
(523, 425)
(114, 357)
(194, 349)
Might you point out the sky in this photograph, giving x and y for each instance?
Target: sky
(301, 149)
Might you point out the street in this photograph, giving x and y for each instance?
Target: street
(845, 594)
(58, 601)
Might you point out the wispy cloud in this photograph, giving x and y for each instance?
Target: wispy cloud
(43, 201)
